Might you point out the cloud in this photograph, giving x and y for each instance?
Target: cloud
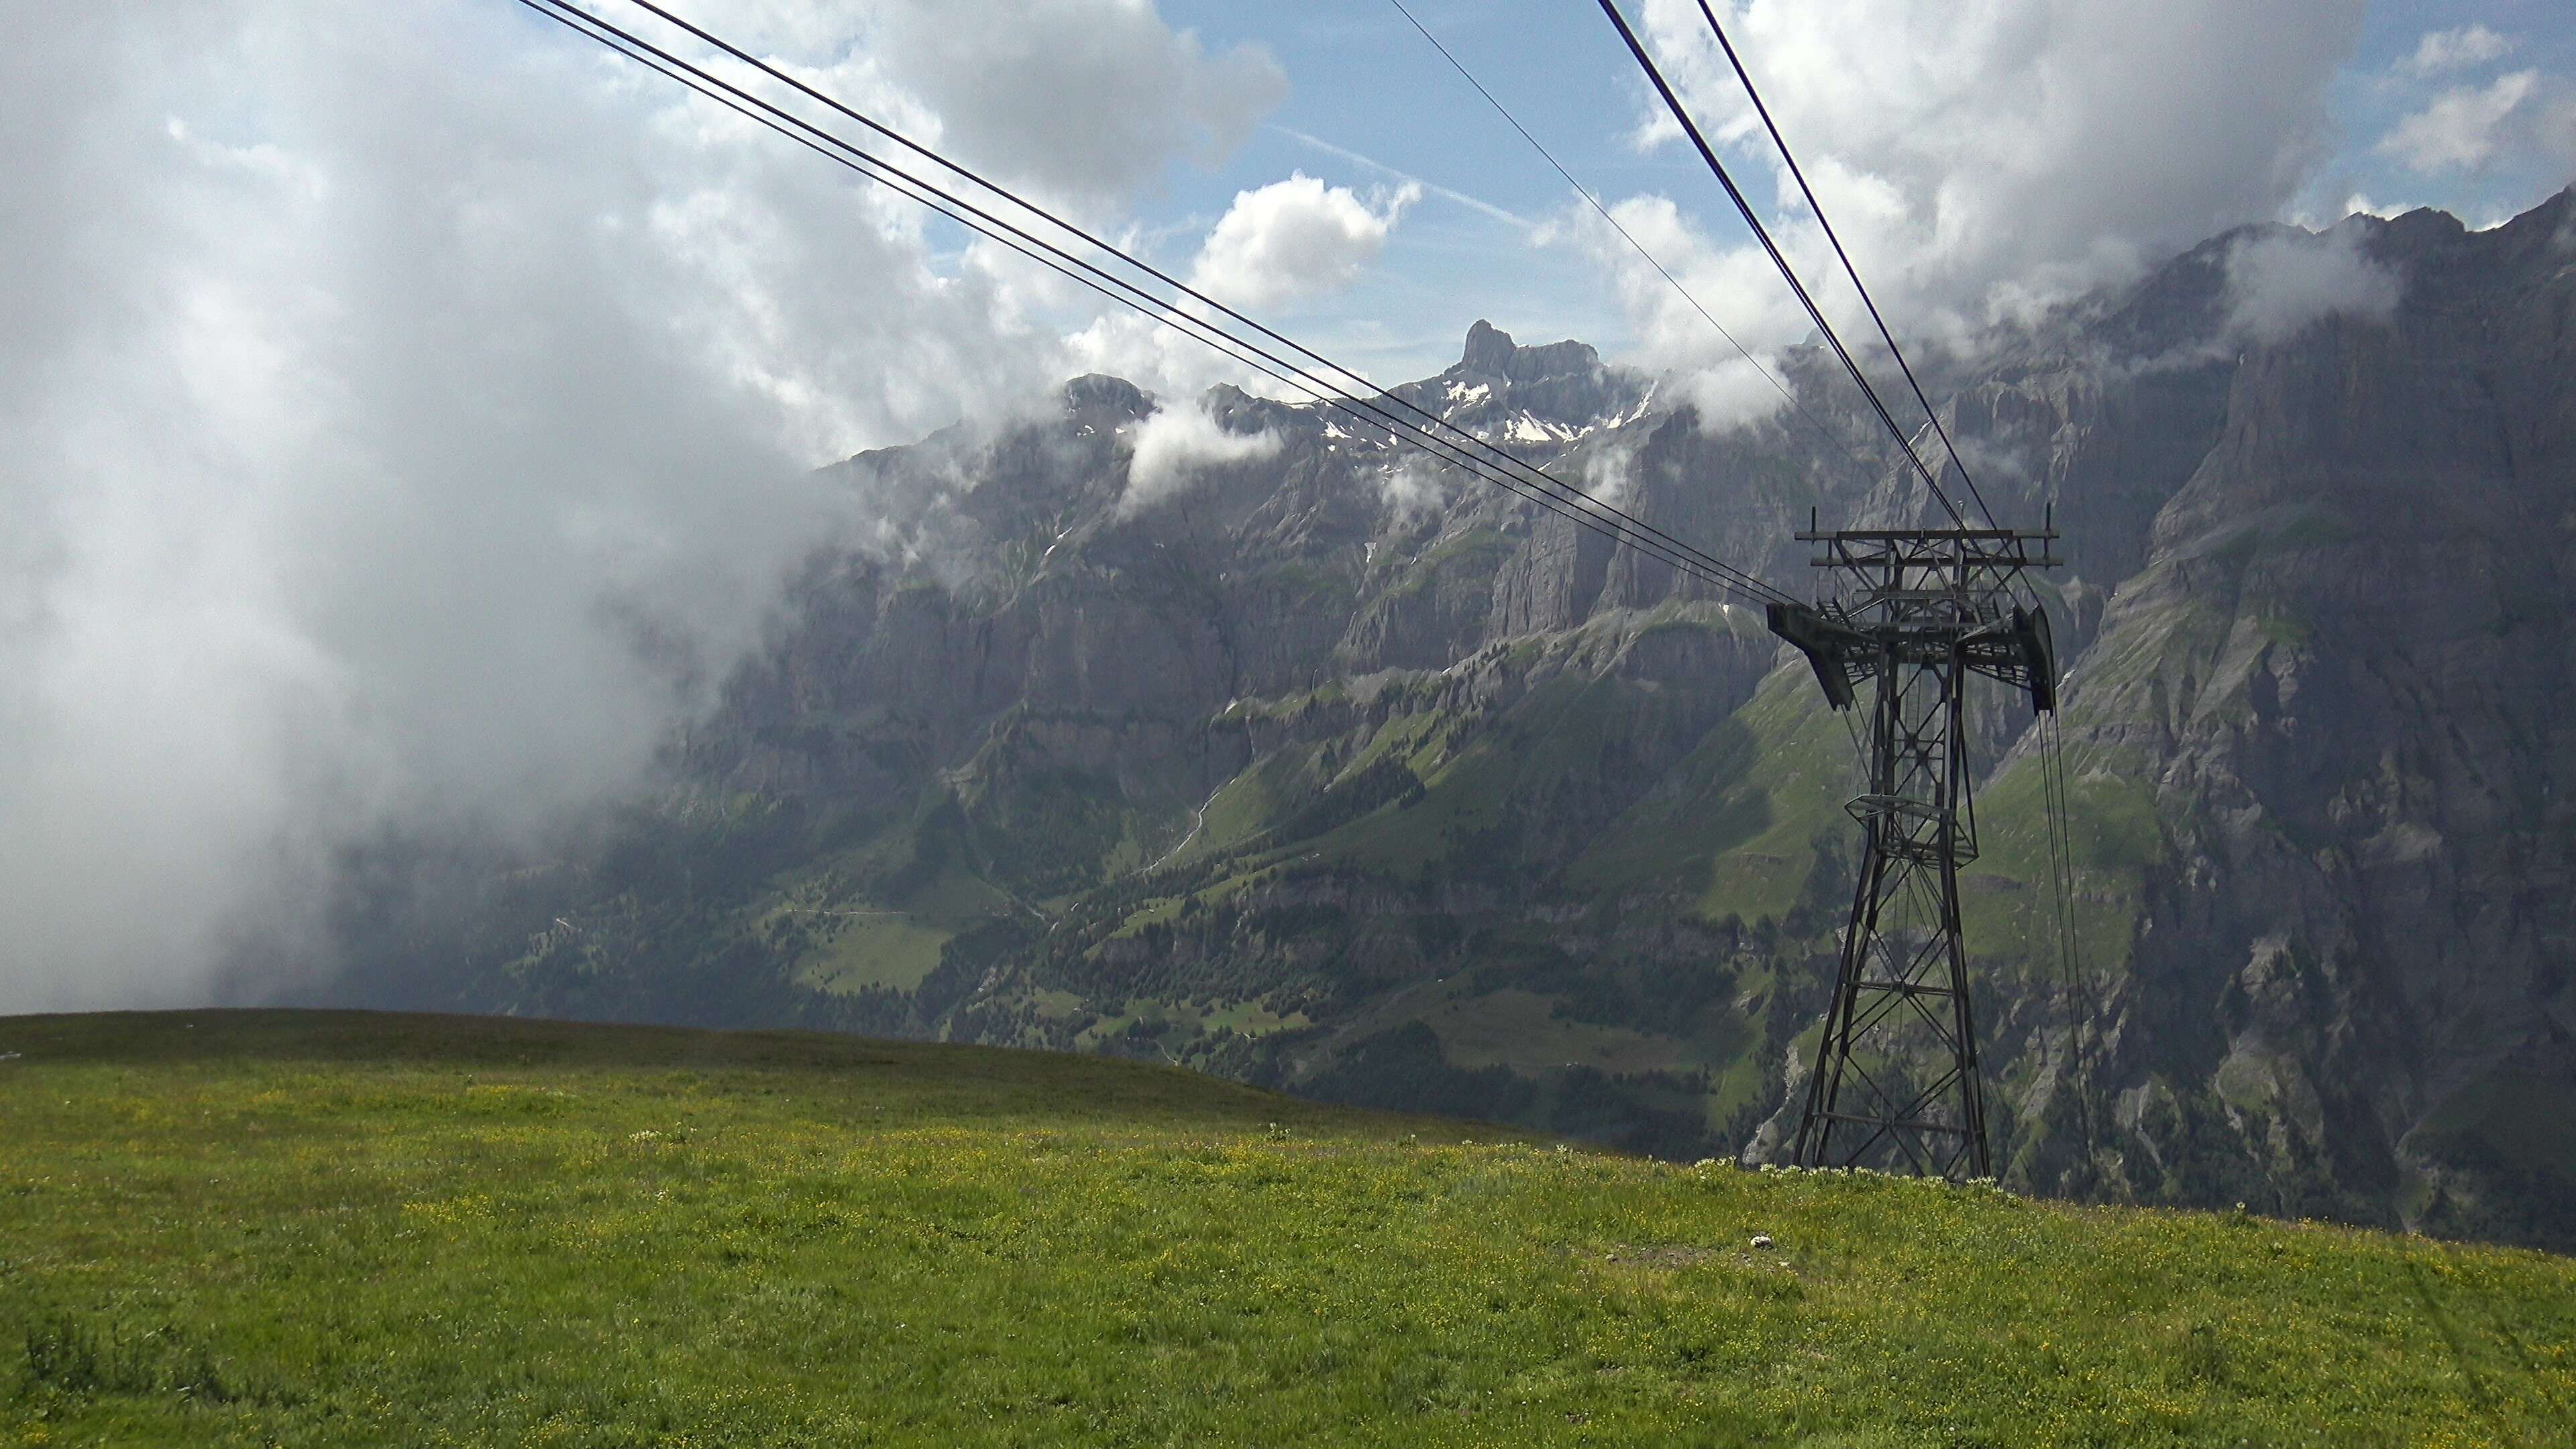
(1295, 239)
(1736, 284)
(1177, 444)
(1984, 162)
(1477, 205)
(1610, 475)
(2463, 127)
(1160, 359)
(2281, 282)
(1412, 489)
(2553, 132)
(409, 415)
(2449, 50)
(1292, 240)
(1088, 99)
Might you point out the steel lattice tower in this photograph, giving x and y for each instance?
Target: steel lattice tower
(1895, 1081)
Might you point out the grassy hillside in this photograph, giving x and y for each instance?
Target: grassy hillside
(291, 1228)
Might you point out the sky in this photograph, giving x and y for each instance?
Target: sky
(1371, 103)
(409, 412)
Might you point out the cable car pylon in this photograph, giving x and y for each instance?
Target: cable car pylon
(1917, 612)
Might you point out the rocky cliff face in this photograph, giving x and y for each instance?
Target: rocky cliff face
(1331, 769)
(2346, 663)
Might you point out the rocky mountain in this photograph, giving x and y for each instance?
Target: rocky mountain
(1320, 766)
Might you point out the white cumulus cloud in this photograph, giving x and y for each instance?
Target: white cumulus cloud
(2462, 128)
(1981, 162)
(2441, 51)
(1289, 241)
(1295, 239)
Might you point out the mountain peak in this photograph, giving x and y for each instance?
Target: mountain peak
(1099, 390)
(1489, 350)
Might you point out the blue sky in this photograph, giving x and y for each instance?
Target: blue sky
(1363, 84)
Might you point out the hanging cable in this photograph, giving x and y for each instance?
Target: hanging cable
(1465, 450)
(2083, 1006)
(1848, 269)
(2057, 804)
(1574, 503)
(1178, 321)
(1501, 457)
(1639, 247)
(2052, 748)
(1762, 234)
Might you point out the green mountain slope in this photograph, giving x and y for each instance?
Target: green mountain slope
(323, 1228)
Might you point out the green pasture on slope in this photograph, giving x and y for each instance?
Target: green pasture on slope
(337, 1228)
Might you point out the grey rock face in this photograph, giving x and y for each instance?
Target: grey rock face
(2347, 662)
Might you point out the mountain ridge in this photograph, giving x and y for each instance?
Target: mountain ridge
(1330, 771)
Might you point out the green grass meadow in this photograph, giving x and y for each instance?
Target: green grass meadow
(290, 1228)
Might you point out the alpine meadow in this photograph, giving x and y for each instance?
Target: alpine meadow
(1831, 724)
